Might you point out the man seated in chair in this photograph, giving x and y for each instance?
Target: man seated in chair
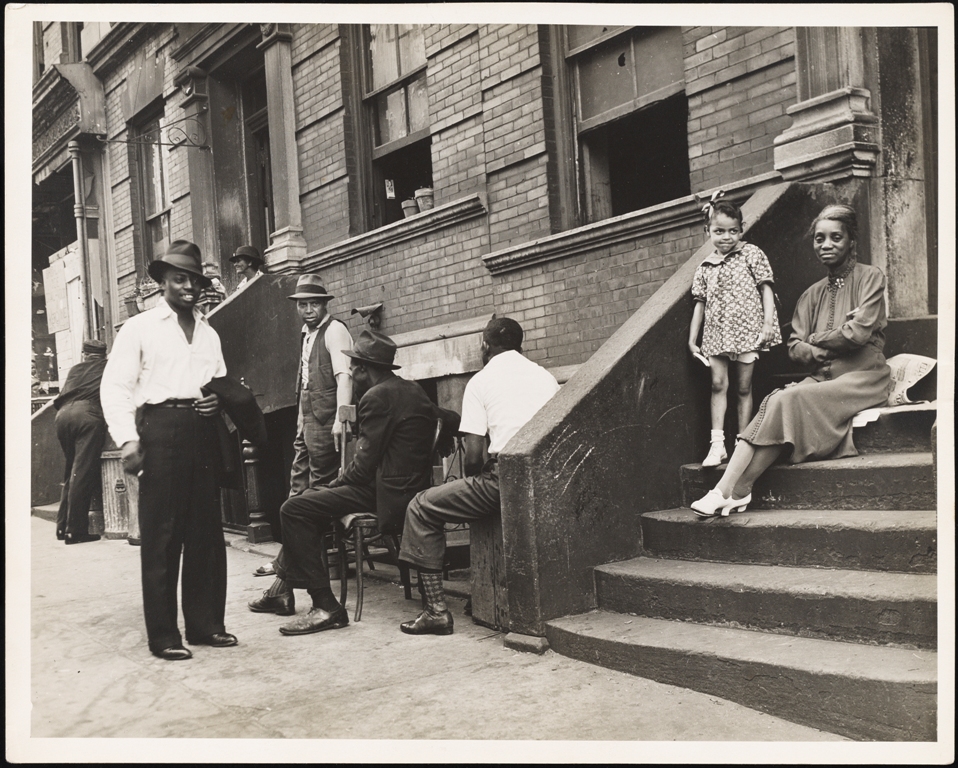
(392, 462)
(498, 401)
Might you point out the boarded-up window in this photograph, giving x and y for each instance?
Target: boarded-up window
(631, 116)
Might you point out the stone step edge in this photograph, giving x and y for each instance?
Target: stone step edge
(908, 703)
(620, 570)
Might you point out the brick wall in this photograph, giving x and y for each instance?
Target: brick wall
(739, 81)
(569, 307)
(320, 133)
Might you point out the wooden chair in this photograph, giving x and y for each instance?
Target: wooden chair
(360, 531)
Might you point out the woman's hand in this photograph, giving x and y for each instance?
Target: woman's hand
(694, 348)
(822, 355)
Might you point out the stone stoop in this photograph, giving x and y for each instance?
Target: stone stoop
(817, 604)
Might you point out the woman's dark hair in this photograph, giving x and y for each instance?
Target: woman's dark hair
(504, 333)
(844, 214)
(725, 207)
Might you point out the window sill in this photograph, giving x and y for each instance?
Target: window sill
(629, 226)
(421, 224)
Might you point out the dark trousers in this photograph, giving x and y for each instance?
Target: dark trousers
(179, 513)
(460, 501)
(81, 431)
(306, 518)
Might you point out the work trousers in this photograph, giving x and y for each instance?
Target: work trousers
(306, 519)
(81, 431)
(460, 501)
(315, 459)
(179, 513)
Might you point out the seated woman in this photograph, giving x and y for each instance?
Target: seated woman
(838, 333)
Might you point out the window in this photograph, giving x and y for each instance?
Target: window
(153, 190)
(396, 103)
(631, 116)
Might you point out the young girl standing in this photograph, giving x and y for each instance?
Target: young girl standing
(732, 289)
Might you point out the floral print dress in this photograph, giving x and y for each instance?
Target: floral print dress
(729, 286)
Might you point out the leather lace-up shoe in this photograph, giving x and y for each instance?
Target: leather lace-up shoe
(316, 620)
(217, 640)
(281, 605)
(429, 624)
(174, 653)
(80, 538)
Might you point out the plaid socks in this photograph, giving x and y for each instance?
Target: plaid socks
(433, 591)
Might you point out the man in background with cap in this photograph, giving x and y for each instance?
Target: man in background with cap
(165, 427)
(81, 431)
(397, 427)
(498, 402)
(248, 264)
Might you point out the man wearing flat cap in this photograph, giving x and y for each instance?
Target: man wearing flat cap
(81, 431)
(248, 264)
(397, 426)
(166, 429)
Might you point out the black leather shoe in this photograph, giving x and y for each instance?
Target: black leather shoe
(60, 535)
(429, 624)
(80, 538)
(174, 653)
(217, 640)
(316, 620)
(281, 605)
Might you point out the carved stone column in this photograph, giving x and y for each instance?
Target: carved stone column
(287, 246)
(192, 82)
(834, 133)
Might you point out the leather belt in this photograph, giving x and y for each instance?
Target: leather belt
(172, 404)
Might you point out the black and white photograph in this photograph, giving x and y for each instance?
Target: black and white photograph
(488, 382)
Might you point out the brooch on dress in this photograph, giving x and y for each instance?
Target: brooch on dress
(836, 282)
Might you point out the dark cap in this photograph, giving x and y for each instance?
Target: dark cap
(94, 346)
(249, 253)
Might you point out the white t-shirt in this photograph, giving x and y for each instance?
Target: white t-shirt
(503, 396)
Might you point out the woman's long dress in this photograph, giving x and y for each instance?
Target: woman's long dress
(814, 416)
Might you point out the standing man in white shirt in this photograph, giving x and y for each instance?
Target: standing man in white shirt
(497, 402)
(156, 412)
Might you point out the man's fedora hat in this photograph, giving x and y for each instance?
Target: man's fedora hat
(249, 253)
(310, 287)
(182, 255)
(375, 348)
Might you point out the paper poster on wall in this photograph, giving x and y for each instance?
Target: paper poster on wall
(55, 290)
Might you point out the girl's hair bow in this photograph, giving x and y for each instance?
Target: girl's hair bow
(707, 208)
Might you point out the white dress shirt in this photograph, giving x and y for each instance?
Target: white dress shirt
(152, 361)
(337, 339)
(503, 396)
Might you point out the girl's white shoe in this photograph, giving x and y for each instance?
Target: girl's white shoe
(714, 504)
(716, 455)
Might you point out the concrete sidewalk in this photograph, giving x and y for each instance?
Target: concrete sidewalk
(92, 675)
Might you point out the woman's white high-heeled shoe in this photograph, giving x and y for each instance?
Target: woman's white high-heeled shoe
(714, 504)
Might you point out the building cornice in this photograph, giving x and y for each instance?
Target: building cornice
(122, 38)
(630, 226)
(420, 225)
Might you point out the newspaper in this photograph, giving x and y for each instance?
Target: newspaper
(906, 371)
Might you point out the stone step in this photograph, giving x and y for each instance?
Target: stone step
(853, 606)
(877, 481)
(897, 431)
(859, 691)
(881, 540)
